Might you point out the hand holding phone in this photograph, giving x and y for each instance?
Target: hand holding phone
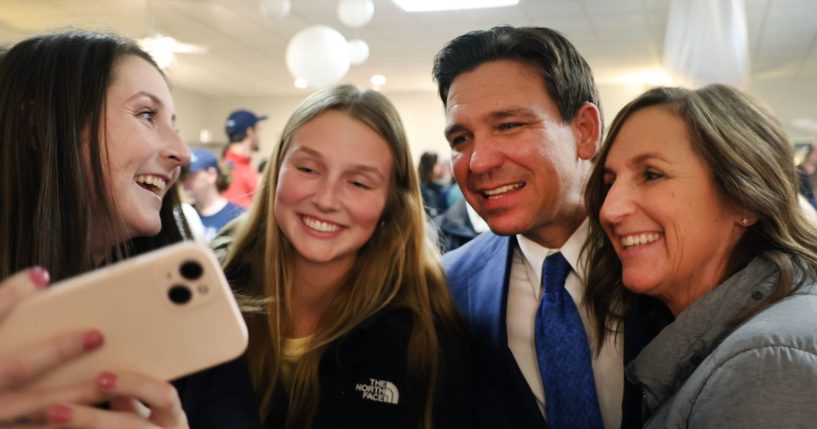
(163, 315)
(22, 366)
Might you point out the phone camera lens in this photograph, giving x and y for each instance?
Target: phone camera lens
(180, 294)
(191, 270)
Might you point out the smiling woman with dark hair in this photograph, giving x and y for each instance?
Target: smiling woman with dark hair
(89, 154)
(693, 201)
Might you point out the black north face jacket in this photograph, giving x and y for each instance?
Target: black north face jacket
(364, 381)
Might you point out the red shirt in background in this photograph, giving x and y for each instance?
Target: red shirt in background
(245, 179)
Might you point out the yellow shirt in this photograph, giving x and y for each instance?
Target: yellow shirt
(291, 350)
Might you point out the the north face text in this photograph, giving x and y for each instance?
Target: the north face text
(379, 391)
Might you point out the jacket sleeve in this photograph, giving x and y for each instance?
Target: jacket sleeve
(222, 242)
(770, 386)
(219, 398)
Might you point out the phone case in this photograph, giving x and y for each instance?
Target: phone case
(137, 304)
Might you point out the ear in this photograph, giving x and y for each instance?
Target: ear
(587, 130)
(212, 174)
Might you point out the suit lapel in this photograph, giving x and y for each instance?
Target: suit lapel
(488, 288)
(487, 304)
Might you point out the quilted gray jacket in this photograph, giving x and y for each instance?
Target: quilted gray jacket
(700, 372)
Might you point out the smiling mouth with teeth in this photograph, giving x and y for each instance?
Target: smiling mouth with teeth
(638, 239)
(320, 225)
(498, 192)
(151, 183)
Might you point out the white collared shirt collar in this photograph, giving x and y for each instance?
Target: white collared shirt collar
(535, 254)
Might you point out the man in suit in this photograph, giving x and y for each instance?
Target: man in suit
(523, 122)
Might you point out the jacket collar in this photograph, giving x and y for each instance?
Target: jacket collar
(355, 347)
(666, 362)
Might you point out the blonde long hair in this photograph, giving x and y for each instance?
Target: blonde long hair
(398, 266)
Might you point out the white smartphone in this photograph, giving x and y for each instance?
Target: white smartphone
(163, 314)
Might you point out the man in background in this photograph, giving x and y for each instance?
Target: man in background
(203, 180)
(243, 135)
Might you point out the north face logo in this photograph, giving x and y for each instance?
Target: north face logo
(379, 391)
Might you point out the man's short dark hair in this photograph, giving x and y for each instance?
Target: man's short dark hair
(566, 75)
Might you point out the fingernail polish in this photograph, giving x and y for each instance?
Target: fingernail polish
(106, 381)
(59, 414)
(39, 276)
(93, 339)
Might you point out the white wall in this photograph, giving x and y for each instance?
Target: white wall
(789, 99)
(191, 110)
(276, 109)
(424, 119)
(422, 114)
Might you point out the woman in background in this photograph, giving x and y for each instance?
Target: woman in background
(89, 155)
(350, 320)
(693, 201)
(432, 189)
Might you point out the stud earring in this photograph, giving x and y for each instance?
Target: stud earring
(745, 221)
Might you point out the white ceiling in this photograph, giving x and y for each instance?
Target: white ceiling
(246, 49)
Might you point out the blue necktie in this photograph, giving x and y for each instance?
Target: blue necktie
(563, 353)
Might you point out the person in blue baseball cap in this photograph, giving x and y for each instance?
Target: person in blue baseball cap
(203, 180)
(243, 135)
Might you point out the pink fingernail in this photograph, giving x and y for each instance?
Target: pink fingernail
(58, 414)
(106, 381)
(92, 340)
(39, 276)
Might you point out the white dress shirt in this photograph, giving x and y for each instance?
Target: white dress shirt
(524, 294)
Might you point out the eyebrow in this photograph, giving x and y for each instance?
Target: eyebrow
(497, 115)
(452, 129)
(308, 150)
(640, 159)
(359, 168)
(153, 98)
(647, 156)
(364, 169)
(519, 111)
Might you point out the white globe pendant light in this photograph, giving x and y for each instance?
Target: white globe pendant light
(318, 54)
(355, 13)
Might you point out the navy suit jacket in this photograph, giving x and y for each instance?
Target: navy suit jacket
(478, 275)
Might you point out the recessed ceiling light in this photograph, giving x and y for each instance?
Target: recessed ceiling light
(301, 83)
(437, 5)
(378, 80)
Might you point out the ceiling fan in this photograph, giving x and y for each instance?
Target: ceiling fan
(163, 48)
